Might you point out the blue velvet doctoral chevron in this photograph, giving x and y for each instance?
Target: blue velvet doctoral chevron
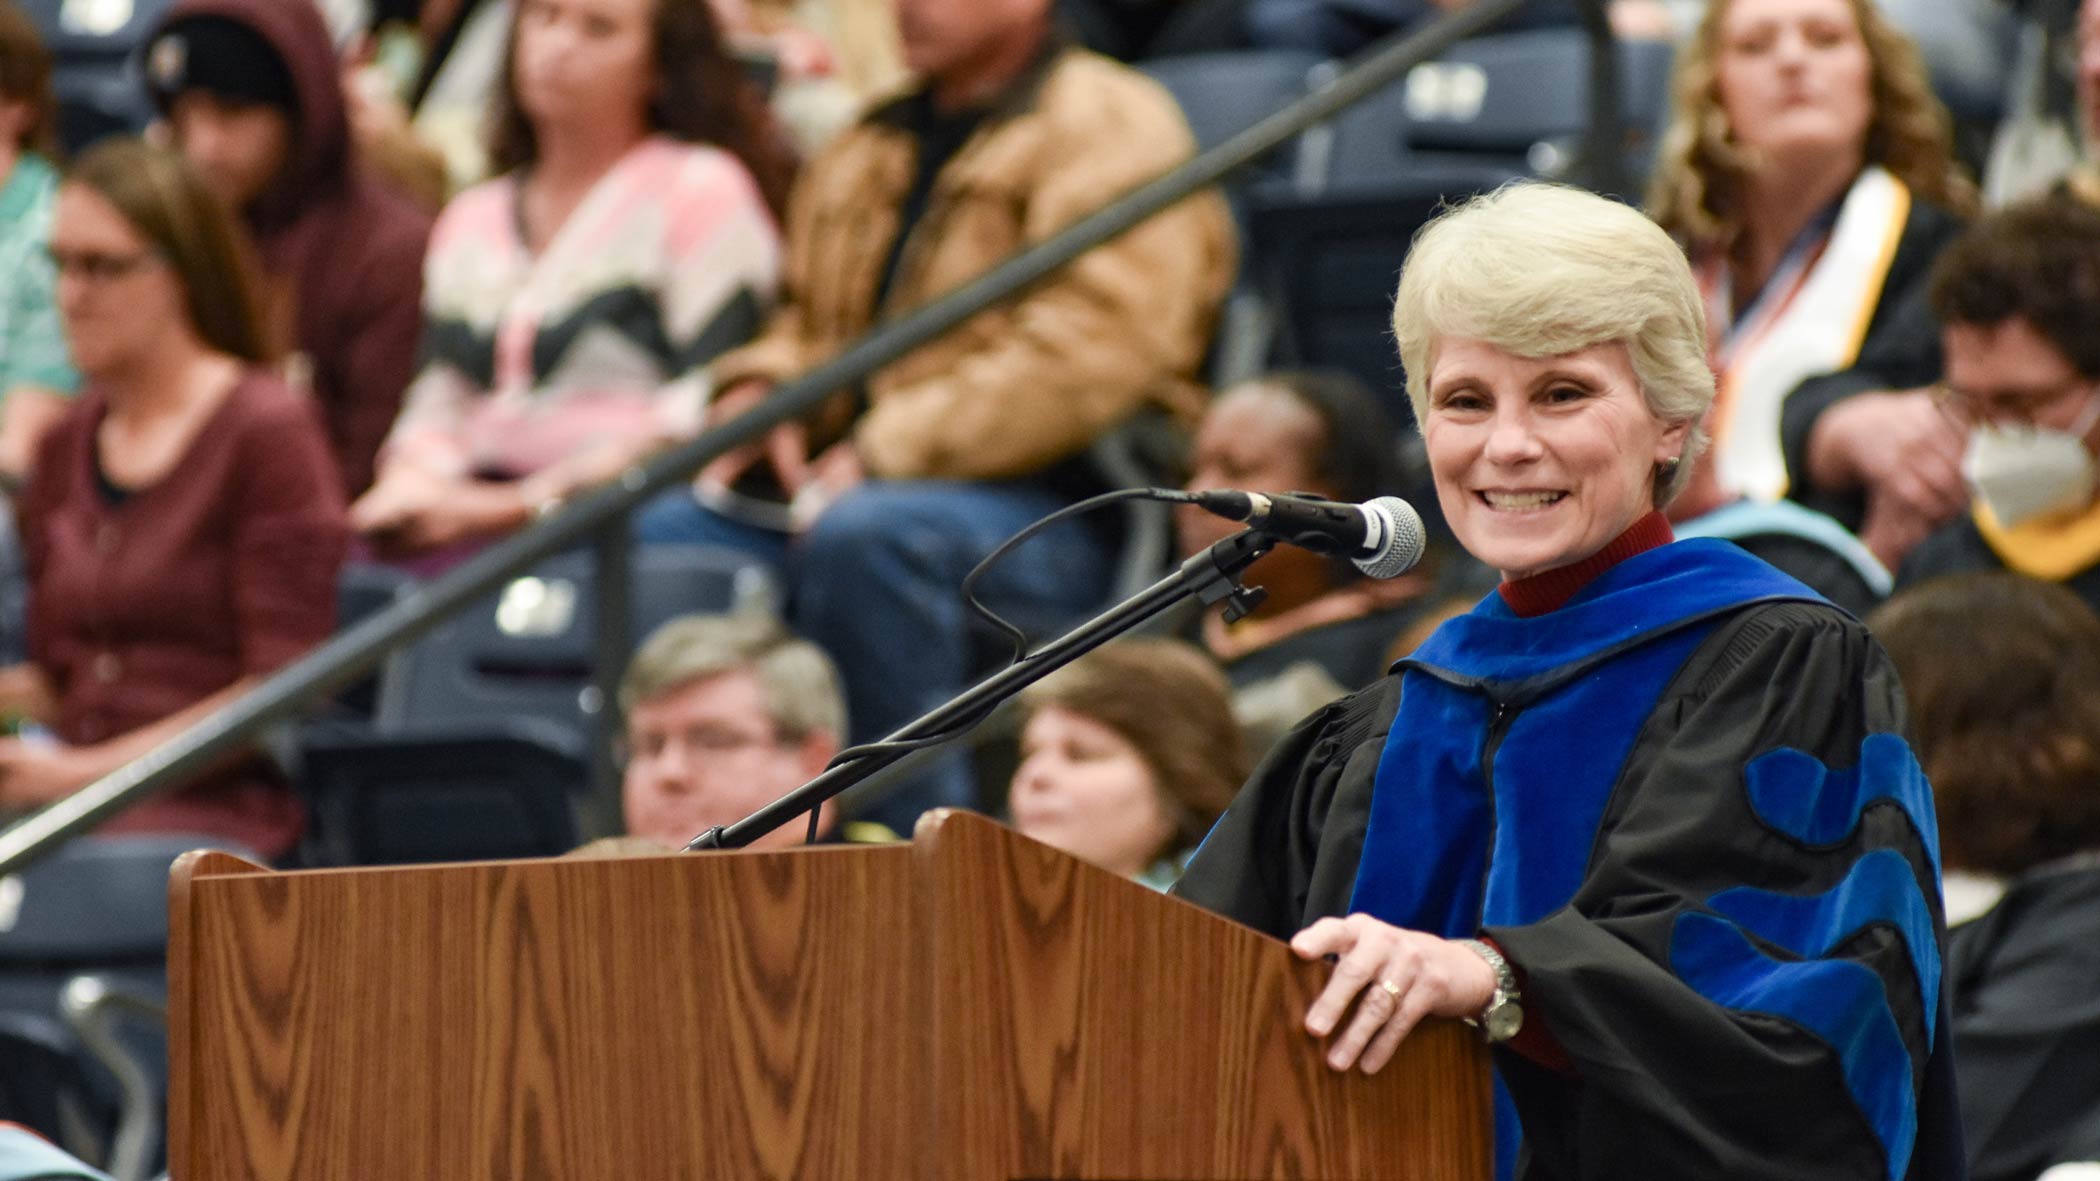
(1484, 735)
(1843, 1002)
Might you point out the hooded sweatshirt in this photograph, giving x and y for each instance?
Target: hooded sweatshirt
(343, 253)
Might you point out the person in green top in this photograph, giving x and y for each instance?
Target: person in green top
(35, 373)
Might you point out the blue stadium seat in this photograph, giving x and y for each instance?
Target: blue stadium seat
(530, 650)
(96, 75)
(98, 905)
(446, 794)
(1223, 94)
(480, 744)
(1491, 109)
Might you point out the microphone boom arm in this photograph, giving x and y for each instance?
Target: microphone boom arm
(1208, 577)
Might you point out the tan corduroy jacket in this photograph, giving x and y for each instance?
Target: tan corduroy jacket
(1032, 382)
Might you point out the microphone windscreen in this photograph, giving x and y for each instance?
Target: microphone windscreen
(1405, 542)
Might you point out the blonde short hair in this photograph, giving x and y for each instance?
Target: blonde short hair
(1538, 270)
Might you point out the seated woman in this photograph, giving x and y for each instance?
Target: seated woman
(1808, 172)
(1646, 813)
(184, 525)
(1127, 757)
(2007, 722)
(573, 304)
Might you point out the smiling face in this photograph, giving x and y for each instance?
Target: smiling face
(1541, 462)
(1794, 76)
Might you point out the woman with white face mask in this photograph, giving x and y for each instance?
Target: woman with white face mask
(2017, 298)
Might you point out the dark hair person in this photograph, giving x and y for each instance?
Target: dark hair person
(2008, 726)
(2016, 296)
(1316, 432)
(183, 523)
(1619, 813)
(1128, 755)
(702, 95)
(574, 304)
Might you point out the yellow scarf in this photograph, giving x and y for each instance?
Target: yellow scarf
(2051, 548)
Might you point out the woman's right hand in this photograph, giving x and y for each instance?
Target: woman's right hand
(1899, 448)
(391, 506)
(786, 446)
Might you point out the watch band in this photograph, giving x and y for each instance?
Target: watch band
(1503, 1016)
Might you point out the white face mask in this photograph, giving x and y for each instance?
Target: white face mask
(2022, 472)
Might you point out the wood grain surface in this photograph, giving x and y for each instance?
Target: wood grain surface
(1095, 1029)
(741, 1015)
(975, 1006)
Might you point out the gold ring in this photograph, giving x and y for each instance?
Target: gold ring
(1391, 990)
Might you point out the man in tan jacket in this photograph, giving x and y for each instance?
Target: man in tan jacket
(900, 487)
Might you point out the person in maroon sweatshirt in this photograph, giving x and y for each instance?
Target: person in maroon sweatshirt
(253, 95)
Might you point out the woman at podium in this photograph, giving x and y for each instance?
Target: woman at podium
(1646, 815)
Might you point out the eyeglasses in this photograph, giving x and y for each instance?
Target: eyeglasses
(702, 742)
(2012, 405)
(98, 266)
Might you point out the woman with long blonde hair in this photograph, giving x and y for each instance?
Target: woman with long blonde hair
(1809, 173)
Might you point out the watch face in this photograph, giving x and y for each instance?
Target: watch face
(1503, 1021)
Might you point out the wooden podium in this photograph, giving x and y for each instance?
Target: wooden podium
(970, 1007)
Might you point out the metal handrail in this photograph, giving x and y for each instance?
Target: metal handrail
(591, 516)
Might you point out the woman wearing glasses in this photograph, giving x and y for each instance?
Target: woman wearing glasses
(183, 524)
(2017, 297)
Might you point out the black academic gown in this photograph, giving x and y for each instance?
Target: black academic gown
(1674, 1075)
(2025, 979)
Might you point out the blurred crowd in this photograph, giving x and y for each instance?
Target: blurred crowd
(382, 282)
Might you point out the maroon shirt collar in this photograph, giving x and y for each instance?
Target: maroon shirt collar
(1547, 591)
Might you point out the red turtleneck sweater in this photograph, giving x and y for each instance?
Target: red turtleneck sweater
(1540, 593)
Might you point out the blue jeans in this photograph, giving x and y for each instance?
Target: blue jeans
(877, 583)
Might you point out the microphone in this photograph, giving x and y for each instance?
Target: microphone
(1383, 537)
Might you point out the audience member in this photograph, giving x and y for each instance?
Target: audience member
(1319, 433)
(2008, 731)
(251, 92)
(183, 522)
(947, 452)
(1808, 172)
(35, 375)
(574, 304)
(726, 714)
(2017, 298)
(1128, 755)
